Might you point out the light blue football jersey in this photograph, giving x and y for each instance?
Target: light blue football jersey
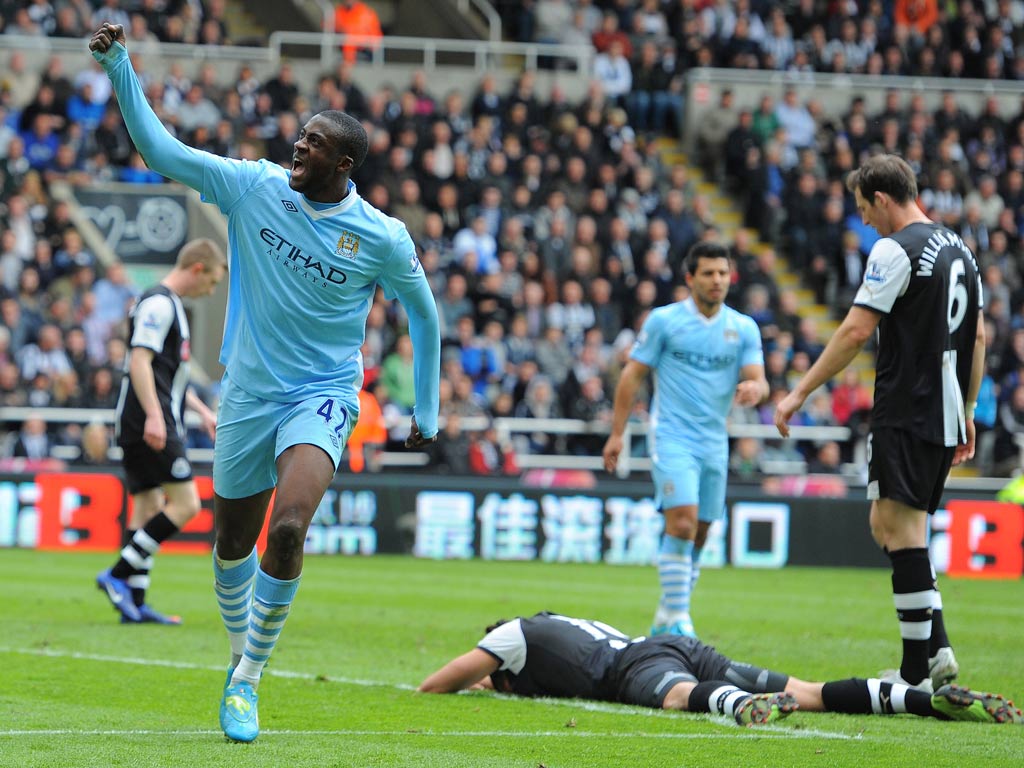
(301, 279)
(696, 362)
(301, 275)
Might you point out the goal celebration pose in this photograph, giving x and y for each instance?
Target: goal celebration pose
(306, 255)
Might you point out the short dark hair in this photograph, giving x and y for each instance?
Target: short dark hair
(889, 174)
(495, 625)
(352, 139)
(704, 250)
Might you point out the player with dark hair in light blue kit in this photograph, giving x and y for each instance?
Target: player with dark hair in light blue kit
(705, 356)
(306, 254)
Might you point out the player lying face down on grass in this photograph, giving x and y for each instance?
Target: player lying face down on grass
(548, 654)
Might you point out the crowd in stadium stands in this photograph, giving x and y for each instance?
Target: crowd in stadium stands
(548, 227)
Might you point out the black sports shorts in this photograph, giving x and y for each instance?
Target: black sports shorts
(907, 469)
(145, 468)
(651, 668)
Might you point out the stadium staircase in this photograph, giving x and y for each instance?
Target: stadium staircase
(244, 28)
(728, 216)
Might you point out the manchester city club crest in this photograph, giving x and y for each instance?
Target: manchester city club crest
(348, 244)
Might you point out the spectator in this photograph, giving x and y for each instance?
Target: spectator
(450, 454)
(477, 357)
(94, 445)
(18, 81)
(397, 374)
(1010, 429)
(489, 454)
(539, 402)
(609, 33)
(41, 142)
(593, 406)
(409, 209)
(551, 18)
(613, 72)
(33, 440)
(453, 305)
(827, 459)
(46, 355)
(745, 459)
(114, 294)
(369, 435)
(654, 95)
(83, 110)
(476, 240)
(358, 19)
(988, 201)
(796, 119)
(12, 393)
(197, 110)
(282, 89)
(101, 392)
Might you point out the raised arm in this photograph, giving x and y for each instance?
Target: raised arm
(161, 151)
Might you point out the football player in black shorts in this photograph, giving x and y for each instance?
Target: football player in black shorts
(151, 426)
(921, 291)
(548, 654)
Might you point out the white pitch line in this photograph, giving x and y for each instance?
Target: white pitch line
(591, 706)
(565, 733)
(49, 652)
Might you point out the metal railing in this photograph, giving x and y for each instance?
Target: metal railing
(490, 15)
(506, 428)
(484, 54)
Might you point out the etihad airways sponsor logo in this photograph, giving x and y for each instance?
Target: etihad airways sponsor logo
(291, 255)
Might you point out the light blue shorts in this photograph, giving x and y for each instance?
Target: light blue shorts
(252, 433)
(682, 479)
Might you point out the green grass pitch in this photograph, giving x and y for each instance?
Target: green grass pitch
(78, 689)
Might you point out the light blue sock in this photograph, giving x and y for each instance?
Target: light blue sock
(695, 568)
(233, 586)
(271, 603)
(675, 564)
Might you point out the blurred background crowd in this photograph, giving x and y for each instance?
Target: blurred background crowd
(548, 226)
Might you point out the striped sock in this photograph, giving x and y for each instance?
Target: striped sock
(675, 568)
(939, 638)
(271, 602)
(232, 584)
(137, 555)
(864, 697)
(913, 596)
(722, 698)
(695, 568)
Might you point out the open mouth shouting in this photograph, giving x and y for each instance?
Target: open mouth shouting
(298, 166)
